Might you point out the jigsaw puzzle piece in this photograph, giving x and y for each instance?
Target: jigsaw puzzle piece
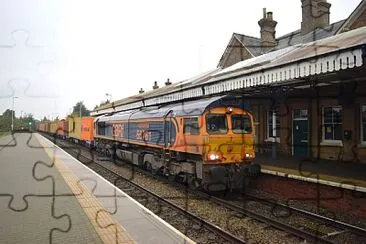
(22, 64)
(67, 194)
(8, 141)
(16, 174)
(36, 224)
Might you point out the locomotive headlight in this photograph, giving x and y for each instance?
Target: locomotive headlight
(248, 155)
(213, 156)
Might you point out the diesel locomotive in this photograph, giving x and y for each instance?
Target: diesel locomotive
(207, 143)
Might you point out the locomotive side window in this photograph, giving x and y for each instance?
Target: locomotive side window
(241, 124)
(101, 128)
(191, 126)
(216, 123)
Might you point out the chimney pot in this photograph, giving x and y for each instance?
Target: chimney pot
(155, 85)
(268, 30)
(315, 14)
(167, 83)
(270, 16)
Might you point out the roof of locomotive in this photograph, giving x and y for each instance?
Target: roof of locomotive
(189, 108)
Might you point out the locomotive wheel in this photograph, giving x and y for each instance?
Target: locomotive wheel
(172, 178)
(148, 166)
(194, 183)
(108, 153)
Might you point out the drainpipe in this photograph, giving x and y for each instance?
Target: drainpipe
(274, 145)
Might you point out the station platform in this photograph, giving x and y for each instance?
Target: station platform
(47, 196)
(351, 176)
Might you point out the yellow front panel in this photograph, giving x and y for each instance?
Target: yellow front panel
(231, 148)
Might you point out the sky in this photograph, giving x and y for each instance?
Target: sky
(56, 53)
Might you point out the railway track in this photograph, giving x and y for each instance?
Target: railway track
(336, 227)
(345, 227)
(140, 192)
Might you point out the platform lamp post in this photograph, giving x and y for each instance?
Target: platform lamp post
(12, 115)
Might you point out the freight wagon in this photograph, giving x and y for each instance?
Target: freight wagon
(87, 131)
(53, 127)
(81, 130)
(74, 125)
(63, 129)
(44, 127)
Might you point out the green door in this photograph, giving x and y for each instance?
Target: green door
(300, 133)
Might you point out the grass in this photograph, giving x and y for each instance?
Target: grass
(4, 133)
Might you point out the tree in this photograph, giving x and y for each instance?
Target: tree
(101, 104)
(5, 122)
(80, 108)
(8, 113)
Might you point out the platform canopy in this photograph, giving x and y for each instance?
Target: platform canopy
(182, 108)
(328, 55)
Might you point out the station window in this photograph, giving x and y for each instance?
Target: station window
(332, 123)
(300, 113)
(363, 123)
(273, 123)
(191, 126)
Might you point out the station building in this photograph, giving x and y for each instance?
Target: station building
(307, 89)
(318, 115)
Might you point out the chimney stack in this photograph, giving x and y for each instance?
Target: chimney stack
(155, 85)
(167, 83)
(268, 32)
(315, 14)
(141, 91)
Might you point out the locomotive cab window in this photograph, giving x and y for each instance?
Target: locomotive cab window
(101, 128)
(191, 126)
(216, 123)
(241, 124)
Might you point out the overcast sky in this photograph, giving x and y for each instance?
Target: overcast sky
(55, 53)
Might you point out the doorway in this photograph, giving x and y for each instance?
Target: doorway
(300, 132)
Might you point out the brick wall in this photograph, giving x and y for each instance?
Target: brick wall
(360, 22)
(337, 200)
(237, 54)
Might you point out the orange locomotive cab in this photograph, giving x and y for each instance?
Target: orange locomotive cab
(228, 136)
(228, 133)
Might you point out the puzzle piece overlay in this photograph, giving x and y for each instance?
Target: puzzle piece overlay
(19, 200)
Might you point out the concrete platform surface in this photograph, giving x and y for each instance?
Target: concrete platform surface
(36, 204)
(47, 196)
(343, 174)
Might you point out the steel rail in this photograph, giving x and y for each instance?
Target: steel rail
(213, 228)
(274, 223)
(335, 223)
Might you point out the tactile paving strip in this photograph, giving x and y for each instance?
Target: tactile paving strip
(109, 230)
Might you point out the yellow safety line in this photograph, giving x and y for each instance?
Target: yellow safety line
(109, 230)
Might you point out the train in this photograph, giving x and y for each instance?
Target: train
(206, 143)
